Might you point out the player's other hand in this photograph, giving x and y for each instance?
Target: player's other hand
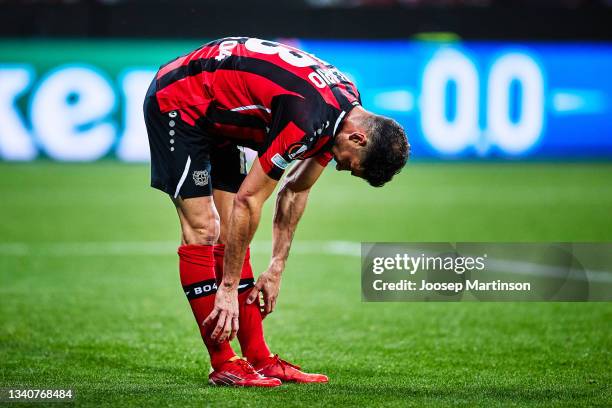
(268, 284)
(226, 314)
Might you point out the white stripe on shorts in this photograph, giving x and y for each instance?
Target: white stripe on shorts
(183, 177)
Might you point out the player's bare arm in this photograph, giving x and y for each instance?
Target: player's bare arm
(246, 213)
(290, 204)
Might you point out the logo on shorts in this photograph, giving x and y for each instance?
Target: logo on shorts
(200, 177)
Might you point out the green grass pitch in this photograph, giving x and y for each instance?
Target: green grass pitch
(90, 297)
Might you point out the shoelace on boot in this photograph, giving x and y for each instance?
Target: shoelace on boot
(246, 366)
(284, 363)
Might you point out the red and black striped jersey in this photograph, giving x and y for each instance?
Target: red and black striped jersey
(281, 101)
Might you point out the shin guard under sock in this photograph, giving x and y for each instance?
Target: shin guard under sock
(196, 266)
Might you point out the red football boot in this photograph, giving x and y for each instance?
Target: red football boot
(287, 372)
(239, 373)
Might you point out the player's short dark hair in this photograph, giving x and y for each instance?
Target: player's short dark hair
(387, 150)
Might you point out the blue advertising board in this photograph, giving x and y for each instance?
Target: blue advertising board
(81, 100)
(486, 99)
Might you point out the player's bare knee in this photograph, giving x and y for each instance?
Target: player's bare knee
(202, 232)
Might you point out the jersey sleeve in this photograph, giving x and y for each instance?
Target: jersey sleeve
(324, 158)
(289, 144)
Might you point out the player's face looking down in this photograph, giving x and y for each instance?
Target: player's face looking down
(351, 142)
(348, 152)
(370, 146)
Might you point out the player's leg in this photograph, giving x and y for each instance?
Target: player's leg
(180, 166)
(229, 170)
(199, 220)
(199, 231)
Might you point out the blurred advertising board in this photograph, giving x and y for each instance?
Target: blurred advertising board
(81, 100)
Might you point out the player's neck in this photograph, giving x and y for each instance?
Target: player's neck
(355, 118)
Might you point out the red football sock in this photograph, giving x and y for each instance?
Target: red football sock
(250, 334)
(196, 266)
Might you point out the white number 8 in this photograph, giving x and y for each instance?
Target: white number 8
(289, 55)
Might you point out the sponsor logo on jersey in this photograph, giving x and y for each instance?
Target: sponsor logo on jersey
(295, 150)
(279, 161)
(200, 177)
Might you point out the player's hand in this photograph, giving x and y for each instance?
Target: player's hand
(226, 313)
(268, 284)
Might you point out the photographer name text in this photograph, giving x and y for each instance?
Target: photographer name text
(454, 264)
(475, 285)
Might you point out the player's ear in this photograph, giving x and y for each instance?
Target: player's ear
(359, 138)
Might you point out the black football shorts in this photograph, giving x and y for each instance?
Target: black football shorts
(185, 161)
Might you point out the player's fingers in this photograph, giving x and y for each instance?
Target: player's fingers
(227, 330)
(220, 324)
(268, 306)
(262, 306)
(211, 317)
(273, 305)
(235, 327)
(254, 294)
(266, 298)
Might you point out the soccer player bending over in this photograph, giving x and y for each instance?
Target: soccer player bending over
(201, 110)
